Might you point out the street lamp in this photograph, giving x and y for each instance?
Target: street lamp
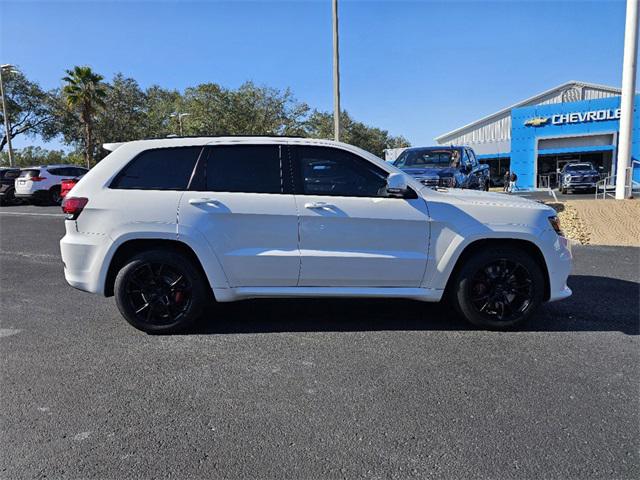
(179, 116)
(9, 69)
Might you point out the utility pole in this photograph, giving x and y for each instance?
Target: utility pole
(336, 74)
(4, 112)
(626, 101)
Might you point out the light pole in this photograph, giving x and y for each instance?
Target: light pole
(626, 101)
(336, 74)
(179, 116)
(8, 68)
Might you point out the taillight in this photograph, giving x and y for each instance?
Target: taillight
(37, 179)
(73, 206)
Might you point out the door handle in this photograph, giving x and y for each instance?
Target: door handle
(203, 201)
(318, 205)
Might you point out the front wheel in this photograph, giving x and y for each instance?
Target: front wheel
(160, 291)
(498, 288)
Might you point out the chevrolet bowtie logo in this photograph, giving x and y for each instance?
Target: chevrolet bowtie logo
(536, 122)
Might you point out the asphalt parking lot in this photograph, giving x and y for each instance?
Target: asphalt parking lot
(313, 389)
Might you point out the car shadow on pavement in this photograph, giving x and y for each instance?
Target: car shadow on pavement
(597, 304)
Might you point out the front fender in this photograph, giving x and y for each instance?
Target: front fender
(448, 246)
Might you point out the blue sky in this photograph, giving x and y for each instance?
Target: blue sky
(417, 69)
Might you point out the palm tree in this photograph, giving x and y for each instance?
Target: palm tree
(85, 93)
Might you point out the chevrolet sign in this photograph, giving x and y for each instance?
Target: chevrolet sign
(581, 117)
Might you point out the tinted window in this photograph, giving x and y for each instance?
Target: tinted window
(578, 167)
(472, 157)
(329, 171)
(9, 174)
(423, 158)
(57, 171)
(465, 157)
(75, 171)
(244, 168)
(159, 169)
(28, 173)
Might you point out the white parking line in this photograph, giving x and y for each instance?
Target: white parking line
(34, 214)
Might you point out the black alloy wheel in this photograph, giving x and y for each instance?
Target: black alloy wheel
(160, 291)
(158, 294)
(499, 287)
(501, 290)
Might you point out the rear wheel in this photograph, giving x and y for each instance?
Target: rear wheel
(9, 197)
(498, 288)
(160, 291)
(54, 195)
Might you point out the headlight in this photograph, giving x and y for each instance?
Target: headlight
(555, 224)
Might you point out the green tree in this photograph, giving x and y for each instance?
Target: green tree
(85, 93)
(123, 116)
(29, 156)
(374, 140)
(30, 109)
(249, 110)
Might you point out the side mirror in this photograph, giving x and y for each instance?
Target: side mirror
(397, 185)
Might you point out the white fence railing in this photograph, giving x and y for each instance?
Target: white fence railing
(607, 186)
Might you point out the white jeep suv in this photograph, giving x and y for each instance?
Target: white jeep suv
(168, 225)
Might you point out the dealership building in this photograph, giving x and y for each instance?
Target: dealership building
(574, 122)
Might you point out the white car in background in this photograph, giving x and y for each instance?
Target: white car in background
(41, 184)
(168, 225)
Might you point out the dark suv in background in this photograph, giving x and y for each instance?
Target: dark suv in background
(7, 187)
(578, 176)
(455, 167)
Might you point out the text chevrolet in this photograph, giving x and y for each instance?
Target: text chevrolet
(169, 225)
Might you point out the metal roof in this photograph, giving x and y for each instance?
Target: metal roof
(530, 101)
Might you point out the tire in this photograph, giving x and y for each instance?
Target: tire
(563, 190)
(486, 186)
(173, 288)
(54, 195)
(9, 197)
(477, 296)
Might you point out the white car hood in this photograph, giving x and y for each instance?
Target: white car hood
(480, 198)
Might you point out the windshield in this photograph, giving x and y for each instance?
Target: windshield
(579, 167)
(427, 158)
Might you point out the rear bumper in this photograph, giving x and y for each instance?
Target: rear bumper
(82, 256)
(37, 195)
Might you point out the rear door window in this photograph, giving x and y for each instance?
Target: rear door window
(244, 168)
(159, 169)
(28, 173)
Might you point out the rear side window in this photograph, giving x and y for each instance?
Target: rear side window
(159, 169)
(28, 173)
(244, 168)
